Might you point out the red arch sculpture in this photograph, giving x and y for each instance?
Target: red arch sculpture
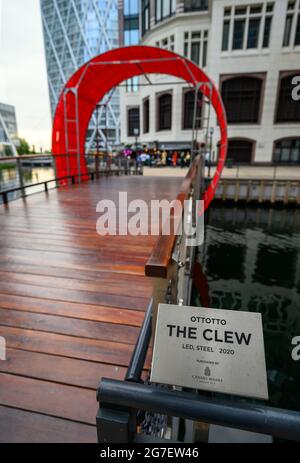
(97, 77)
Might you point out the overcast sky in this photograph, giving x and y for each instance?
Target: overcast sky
(23, 78)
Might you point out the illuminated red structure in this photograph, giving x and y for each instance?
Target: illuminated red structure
(93, 80)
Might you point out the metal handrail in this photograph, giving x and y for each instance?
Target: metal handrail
(71, 177)
(25, 157)
(284, 424)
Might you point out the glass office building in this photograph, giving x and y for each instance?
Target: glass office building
(8, 129)
(74, 32)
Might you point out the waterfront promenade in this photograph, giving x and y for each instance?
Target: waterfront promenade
(71, 306)
(242, 172)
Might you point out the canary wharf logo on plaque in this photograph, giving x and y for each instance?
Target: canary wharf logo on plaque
(210, 349)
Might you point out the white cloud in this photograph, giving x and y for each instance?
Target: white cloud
(23, 69)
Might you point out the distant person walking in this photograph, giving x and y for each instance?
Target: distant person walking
(182, 159)
(174, 158)
(188, 159)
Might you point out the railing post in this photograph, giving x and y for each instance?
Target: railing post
(115, 425)
(20, 172)
(97, 166)
(55, 170)
(5, 198)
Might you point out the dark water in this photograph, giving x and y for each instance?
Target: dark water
(251, 258)
(9, 179)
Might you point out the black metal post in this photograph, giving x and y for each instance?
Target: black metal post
(137, 361)
(115, 425)
(5, 198)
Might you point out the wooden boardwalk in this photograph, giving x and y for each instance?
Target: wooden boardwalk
(71, 304)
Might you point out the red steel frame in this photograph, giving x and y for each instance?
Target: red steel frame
(94, 79)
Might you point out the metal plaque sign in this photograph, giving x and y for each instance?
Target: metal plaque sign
(210, 349)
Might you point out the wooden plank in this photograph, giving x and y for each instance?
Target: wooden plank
(62, 370)
(18, 426)
(105, 299)
(69, 326)
(105, 285)
(73, 310)
(71, 304)
(72, 403)
(78, 261)
(112, 353)
(22, 266)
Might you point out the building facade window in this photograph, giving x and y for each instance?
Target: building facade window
(287, 151)
(131, 36)
(253, 33)
(164, 9)
(167, 43)
(145, 16)
(240, 151)
(242, 27)
(195, 5)
(189, 109)
(195, 47)
(288, 110)
(133, 121)
(291, 36)
(225, 38)
(146, 115)
(238, 34)
(164, 111)
(242, 99)
(131, 7)
(132, 85)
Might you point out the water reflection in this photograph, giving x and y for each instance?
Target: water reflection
(251, 260)
(9, 179)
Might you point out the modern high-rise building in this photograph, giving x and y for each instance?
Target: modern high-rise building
(8, 130)
(251, 50)
(74, 32)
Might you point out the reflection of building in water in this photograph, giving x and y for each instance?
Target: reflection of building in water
(251, 259)
(262, 247)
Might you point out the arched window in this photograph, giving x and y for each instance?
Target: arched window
(287, 151)
(133, 121)
(188, 109)
(165, 112)
(240, 151)
(242, 99)
(288, 110)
